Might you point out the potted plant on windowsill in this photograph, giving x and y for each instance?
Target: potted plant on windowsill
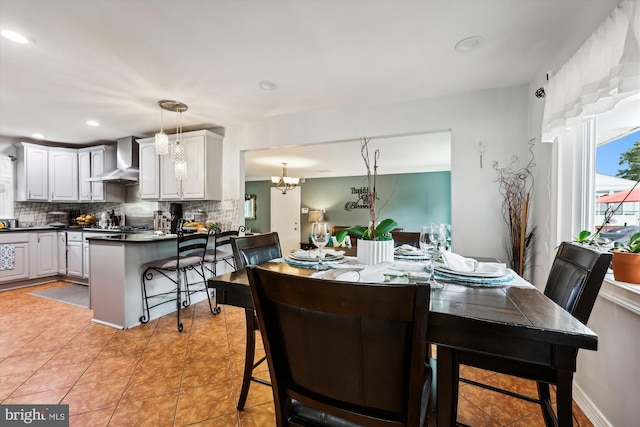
(626, 260)
(375, 243)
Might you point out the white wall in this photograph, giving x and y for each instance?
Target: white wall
(498, 117)
(607, 382)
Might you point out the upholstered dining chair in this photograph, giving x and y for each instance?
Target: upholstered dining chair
(573, 283)
(343, 353)
(249, 250)
(189, 257)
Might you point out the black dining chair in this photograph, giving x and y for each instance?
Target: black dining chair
(574, 281)
(249, 250)
(190, 250)
(344, 353)
(411, 238)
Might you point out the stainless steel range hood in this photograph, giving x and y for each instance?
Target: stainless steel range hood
(127, 163)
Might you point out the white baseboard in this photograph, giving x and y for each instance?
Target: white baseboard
(596, 417)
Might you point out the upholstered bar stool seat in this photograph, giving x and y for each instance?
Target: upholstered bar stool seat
(173, 264)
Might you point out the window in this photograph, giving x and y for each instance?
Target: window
(617, 169)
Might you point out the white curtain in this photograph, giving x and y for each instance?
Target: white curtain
(603, 71)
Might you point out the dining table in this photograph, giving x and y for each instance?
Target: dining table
(512, 319)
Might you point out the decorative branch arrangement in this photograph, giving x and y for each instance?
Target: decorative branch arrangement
(516, 185)
(372, 232)
(371, 180)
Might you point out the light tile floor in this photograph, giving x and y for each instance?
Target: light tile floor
(152, 375)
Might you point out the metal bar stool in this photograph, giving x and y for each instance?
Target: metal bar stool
(189, 257)
(214, 255)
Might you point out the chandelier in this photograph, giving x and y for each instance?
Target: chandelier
(162, 140)
(284, 183)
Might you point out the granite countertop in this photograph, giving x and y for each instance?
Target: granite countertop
(80, 229)
(133, 238)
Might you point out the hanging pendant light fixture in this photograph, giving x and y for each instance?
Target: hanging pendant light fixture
(162, 140)
(284, 183)
(180, 162)
(177, 148)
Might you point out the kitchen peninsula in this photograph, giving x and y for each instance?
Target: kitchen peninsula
(116, 274)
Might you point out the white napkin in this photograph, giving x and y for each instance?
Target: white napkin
(408, 250)
(371, 274)
(315, 253)
(457, 262)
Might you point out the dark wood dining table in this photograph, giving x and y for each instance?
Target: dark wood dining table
(510, 321)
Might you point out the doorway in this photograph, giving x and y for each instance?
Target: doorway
(285, 218)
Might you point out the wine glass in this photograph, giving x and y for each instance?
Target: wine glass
(320, 236)
(430, 238)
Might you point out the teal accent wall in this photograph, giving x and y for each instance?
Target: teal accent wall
(262, 190)
(413, 200)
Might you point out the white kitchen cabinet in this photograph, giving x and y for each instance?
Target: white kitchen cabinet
(84, 172)
(75, 254)
(63, 175)
(203, 153)
(149, 181)
(169, 186)
(20, 245)
(32, 172)
(85, 260)
(62, 252)
(94, 161)
(43, 251)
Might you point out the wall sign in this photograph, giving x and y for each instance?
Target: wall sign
(363, 199)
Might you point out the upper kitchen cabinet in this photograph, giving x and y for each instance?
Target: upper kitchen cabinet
(93, 161)
(33, 172)
(149, 170)
(63, 175)
(203, 154)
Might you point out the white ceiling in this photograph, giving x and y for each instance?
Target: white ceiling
(112, 61)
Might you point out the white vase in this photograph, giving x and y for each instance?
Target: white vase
(374, 251)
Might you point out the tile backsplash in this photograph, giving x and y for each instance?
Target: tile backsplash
(225, 213)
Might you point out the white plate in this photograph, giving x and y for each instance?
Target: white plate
(313, 262)
(489, 274)
(421, 257)
(329, 254)
(315, 259)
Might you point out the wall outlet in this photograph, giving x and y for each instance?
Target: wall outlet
(27, 218)
(304, 210)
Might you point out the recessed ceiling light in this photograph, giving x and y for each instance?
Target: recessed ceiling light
(92, 123)
(14, 37)
(37, 135)
(267, 85)
(469, 44)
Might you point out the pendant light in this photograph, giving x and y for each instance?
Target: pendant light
(162, 140)
(179, 161)
(177, 148)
